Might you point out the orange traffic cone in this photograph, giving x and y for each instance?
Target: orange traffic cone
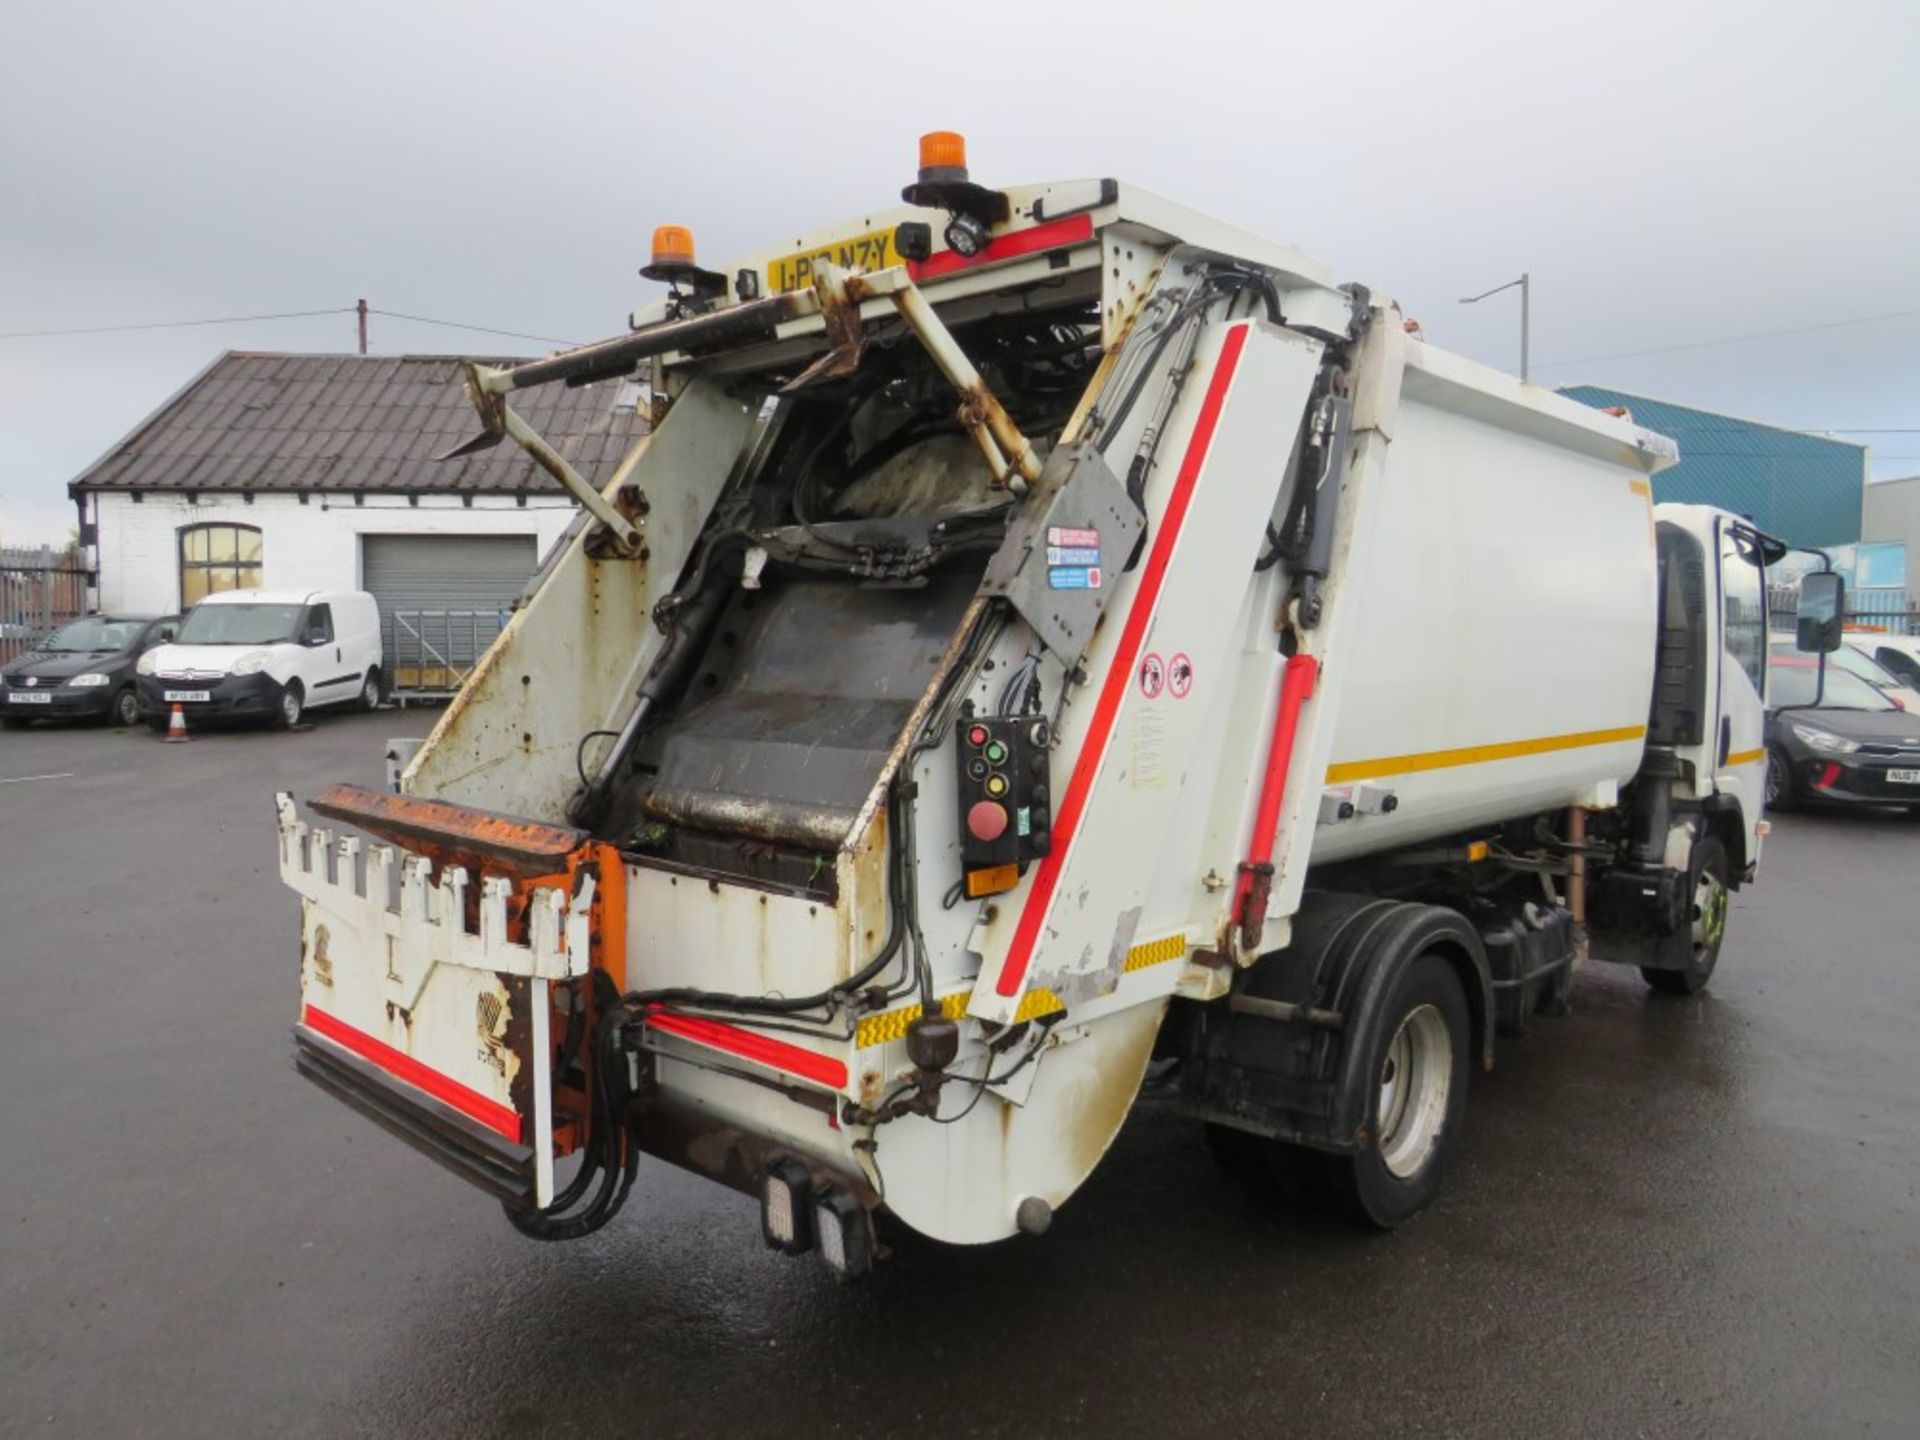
(177, 726)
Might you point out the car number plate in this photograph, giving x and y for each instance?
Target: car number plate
(173, 695)
(19, 699)
(870, 252)
(1903, 777)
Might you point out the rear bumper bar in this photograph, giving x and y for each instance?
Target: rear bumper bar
(434, 1128)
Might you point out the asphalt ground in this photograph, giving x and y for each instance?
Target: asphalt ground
(1669, 1217)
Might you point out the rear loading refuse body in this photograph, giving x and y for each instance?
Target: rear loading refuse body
(1052, 646)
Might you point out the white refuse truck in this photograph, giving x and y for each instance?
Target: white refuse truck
(1052, 648)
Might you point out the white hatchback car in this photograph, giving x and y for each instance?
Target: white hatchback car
(1898, 655)
(270, 654)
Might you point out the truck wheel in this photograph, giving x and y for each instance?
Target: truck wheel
(1779, 792)
(292, 702)
(1709, 923)
(1419, 1075)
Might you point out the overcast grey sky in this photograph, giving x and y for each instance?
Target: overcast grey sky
(1670, 173)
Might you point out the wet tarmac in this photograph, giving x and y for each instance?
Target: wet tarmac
(1669, 1217)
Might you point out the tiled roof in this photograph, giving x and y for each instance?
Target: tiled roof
(254, 421)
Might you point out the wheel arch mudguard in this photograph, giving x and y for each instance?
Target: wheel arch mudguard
(1287, 1053)
(1378, 957)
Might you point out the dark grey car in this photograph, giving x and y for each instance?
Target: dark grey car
(85, 669)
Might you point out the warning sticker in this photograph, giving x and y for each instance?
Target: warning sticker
(1179, 676)
(1073, 554)
(1150, 748)
(1067, 535)
(1073, 577)
(1153, 675)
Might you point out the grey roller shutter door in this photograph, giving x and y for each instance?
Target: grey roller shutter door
(442, 599)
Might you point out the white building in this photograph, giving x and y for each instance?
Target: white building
(317, 471)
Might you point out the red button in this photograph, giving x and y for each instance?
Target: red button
(977, 735)
(986, 820)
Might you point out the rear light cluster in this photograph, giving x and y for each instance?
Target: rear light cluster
(796, 1216)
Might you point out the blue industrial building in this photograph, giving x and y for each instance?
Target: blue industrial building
(1806, 489)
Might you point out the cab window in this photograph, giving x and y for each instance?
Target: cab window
(318, 629)
(1744, 623)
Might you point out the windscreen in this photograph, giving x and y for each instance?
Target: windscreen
(92, 635)
(238, 624)
(1794, 681)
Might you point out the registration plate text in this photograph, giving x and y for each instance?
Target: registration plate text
(184, 695)
(870, 252)
(18, 699)
(1903, 777)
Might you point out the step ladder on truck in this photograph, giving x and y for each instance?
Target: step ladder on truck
(1048, 639)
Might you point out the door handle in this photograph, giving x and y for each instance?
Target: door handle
(1726, 738)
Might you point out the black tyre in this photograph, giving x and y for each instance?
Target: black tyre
(125, 709)
(1707, 919)
(293, 702)
(371, 690)
(1780, 794)
(1417, 1066)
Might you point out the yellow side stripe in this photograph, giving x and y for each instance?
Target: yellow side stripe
(891, 1025)
(1478, 754)
(1640, 487)
(1746, 757)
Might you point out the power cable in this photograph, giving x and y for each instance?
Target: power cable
(173, 324)
(481, 329)
(1730, 339)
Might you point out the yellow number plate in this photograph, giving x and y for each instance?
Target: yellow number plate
(869, 252)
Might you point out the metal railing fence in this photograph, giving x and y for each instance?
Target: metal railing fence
(39, 589)
(430, 653)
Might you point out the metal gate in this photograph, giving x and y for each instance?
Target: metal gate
(442, 600)
(39, 589)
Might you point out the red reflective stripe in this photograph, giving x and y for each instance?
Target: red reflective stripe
(1066, 817)
(499, 1118)
(1053, 234)
(761, 1049)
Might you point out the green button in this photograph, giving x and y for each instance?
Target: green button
(996, 752)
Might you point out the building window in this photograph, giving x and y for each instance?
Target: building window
(217, 557)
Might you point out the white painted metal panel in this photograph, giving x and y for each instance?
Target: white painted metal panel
(1130, 748)
(1499, 659)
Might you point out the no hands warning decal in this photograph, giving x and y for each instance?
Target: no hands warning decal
(1153, 675)
(1180, 676)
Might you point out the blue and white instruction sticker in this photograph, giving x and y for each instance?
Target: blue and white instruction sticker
(1073, 557)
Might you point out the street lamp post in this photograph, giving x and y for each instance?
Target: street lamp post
(1525, 282)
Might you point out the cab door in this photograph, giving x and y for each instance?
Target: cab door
(1740, 688)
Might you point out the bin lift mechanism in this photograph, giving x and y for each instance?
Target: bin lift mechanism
(836, 296)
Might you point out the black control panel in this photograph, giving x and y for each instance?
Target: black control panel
(1006, 814)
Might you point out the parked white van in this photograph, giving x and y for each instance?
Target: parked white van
(270, 654)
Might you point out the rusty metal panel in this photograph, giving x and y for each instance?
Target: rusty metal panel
(1065, 551)
(793, 740)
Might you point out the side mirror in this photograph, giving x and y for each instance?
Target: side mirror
(1822, 612)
